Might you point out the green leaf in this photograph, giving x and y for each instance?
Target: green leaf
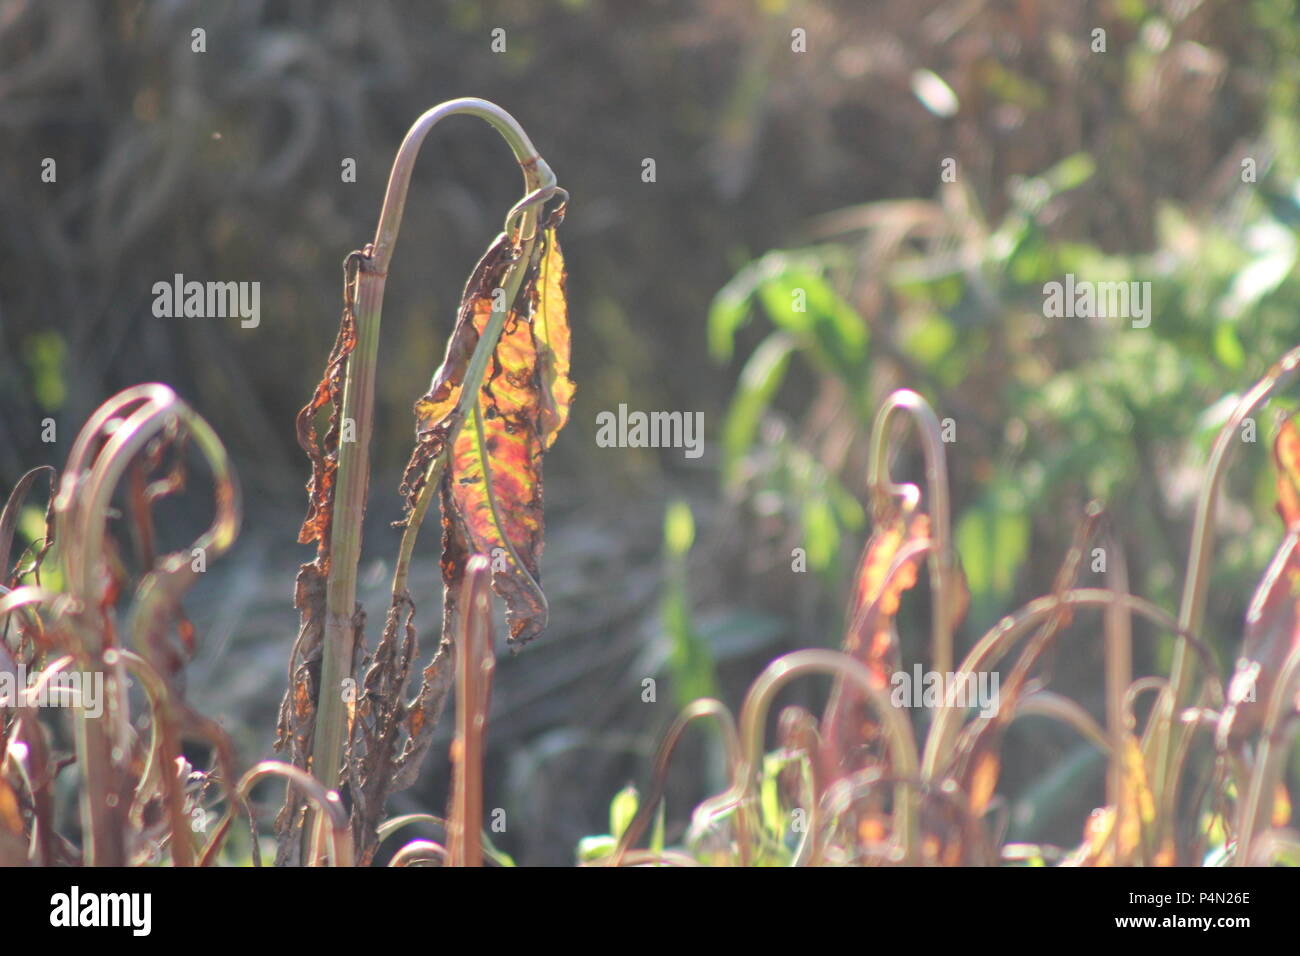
(657, 835)
(622, 809)
(993, 539)
(801, 301)
(1275, 256)
(821, 533)
(593, 848)
(759, 380)
(690, 654)
(1227, 347)
(679, 529)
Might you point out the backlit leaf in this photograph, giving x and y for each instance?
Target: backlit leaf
(491, 485)
(551, 332)
(887, 569)
(1286, 455)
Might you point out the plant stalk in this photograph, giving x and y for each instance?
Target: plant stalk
(358, 409)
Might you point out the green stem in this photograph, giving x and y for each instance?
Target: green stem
(358, 409)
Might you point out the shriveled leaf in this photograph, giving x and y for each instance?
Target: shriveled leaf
(492, 480)
(983, 779)
(434, 411)
(551, 333)
(324, 450)
(11, 817)
(495, 484)
(297, 716)
(1286, 455)
(887, 569)
(1272, 628)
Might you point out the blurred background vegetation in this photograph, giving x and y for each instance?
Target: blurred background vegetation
(775, 170)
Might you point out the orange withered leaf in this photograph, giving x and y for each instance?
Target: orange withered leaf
(1286, 455)
(551, 333)
(434, 411)
(887, 569)
(983, 778)
(492, 477)
(495, 479)
(323, 450)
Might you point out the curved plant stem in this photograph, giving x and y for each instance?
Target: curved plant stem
(334, 818)
(1118, 629)
(128, 422)
(421, 852)
(358, 408)
(475, 662)
(895, 727)
(1270, 760)
(695, 710)
(1159, 744)
(936, 480)
(997, 642)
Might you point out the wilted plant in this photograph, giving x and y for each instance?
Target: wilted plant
(84, 646)
(855, 788)
(494, 406)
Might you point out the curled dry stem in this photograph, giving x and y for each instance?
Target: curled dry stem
(998, 641)
(331, 816)
(695, 710)
(114, 435)
(421, 853)
(1159, 744)
(942, 570)
(897, 732)
(1270, 759)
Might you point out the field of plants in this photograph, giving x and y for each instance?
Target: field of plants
(895, 467)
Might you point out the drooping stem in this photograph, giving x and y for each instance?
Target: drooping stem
(1164, 732)
(936, 479)
(358, 414)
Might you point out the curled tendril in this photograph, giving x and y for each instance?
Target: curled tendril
(897, 731)
(942, 565)
(331, 814)
(998, 641)
(419, 852)
(695, 710)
